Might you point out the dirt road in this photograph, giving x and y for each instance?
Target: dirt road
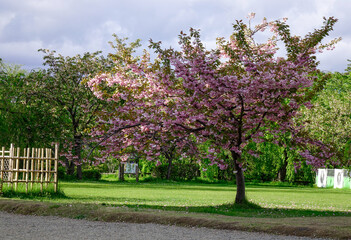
(19, 227)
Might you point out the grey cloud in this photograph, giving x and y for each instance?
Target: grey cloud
(75, 26)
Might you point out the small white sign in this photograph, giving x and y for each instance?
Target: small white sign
(339, 178)
(131, 168)
(322, 177)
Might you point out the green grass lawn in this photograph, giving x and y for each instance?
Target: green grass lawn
(311, 198)
(153, 194)
(268, 200)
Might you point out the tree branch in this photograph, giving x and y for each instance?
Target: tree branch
(107, 136)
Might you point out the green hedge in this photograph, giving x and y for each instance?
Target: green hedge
(180, 171)
(91, 174)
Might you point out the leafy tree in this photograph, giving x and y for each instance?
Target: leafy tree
(26, 120)
(62, 86)
(330, 118)
(275, 161)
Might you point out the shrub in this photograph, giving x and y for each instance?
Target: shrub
(91, 174)
(159, 171)
(61, 173)
(185, 171)
(180, 171)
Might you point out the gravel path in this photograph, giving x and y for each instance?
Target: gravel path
(37, 227)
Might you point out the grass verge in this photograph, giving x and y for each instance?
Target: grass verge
(326, 227)
(35, 192)
(280, 209)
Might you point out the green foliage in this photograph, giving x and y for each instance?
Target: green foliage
(264, 166)
(91, 174)
(276, 163)
(146, 166)
(209, 172)
(330, 119)
(25, 119)
(62, 85)
(62, 174)
(180, 171)
(109, 177)
(347, 153)
(124, 53)
(160, 171)
(304, 175)
(110, 165)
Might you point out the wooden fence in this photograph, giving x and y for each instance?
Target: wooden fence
(35, 165)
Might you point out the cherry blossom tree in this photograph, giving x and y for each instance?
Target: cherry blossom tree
(243, 90)
(229, 96)
(136, 119)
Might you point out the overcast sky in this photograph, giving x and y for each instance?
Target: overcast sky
(77, 26)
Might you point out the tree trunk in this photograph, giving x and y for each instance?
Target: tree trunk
(70, 168)
(121, 172)
(79, 172)
(240, 186)
(240, 180)
(282, 169)
(169, 169)
(137, 172)
(78, 153)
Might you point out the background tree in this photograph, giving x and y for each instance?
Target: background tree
(62, 86)
(277, 161)
(330, 118)
(26, 120)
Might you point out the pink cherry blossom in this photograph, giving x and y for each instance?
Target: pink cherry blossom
(229, 96)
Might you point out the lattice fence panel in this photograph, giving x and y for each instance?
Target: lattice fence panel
(28, 166)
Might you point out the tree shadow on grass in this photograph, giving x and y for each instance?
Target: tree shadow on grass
(246, 209)
(164, 186)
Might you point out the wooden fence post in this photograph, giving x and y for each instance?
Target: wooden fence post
(41, 169)
(37, 162)
(10, 174)
(56, 166)
(50, 164)
(32, 166)
(46, 167)
(27, 168)
(2, 163)
(16, 169)
(2, 168)
(24, 164)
